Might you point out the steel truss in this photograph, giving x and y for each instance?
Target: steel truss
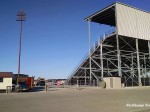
(134, 59)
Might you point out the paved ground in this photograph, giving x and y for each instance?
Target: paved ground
(72, 100)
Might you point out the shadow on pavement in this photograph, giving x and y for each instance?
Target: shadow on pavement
(37, 89)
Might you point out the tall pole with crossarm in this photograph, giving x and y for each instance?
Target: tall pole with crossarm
(21, 16)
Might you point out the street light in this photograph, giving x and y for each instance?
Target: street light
(21, 16)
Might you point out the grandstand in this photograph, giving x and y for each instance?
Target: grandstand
(123, 53)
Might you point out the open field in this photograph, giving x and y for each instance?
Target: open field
(72, 100)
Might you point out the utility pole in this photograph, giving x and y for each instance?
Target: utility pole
(21, 16)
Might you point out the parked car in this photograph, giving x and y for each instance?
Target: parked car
(40, 83)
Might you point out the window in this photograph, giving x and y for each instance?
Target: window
(1, 79)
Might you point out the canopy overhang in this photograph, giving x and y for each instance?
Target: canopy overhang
(104, 16)
(129, 21)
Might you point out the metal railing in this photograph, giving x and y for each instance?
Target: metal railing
(96, 44)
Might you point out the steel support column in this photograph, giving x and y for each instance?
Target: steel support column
(101, 58)
(117, 40)
(149, 48)
(118, 56)
(132, 65)
(85, 76)
(138, 63)
(89, 43)
(145, 69)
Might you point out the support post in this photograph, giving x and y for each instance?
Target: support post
(138, 63)
(85, 76)
(118, 51)
(132, 65)
(89, 43)
(118, 56)
(21, 17)
(77, 81)
(107, 67)
(101, 58)
(149, 48)
(19, 57)
(149, 81)
(145, 71)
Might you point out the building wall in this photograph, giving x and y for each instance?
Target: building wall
(112, 82)
(107, 81)
(132, 22)
(117, 82)
(6, 82)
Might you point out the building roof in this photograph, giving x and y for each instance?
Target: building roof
(104, 16)
(6, 74)
(127, 20)
(20, 75)
(107, 15)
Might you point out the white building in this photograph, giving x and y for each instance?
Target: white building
(5, 80)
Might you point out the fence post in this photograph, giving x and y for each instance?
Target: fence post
(149, 81)
(8, 89)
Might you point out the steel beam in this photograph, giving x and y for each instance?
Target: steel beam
(101, 58)
(118, 56)
(89, 43)
(85, 77)
(149, 48)
(138, 64)
(117, 40)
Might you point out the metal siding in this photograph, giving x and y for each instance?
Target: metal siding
(132, 22)
(143, 24)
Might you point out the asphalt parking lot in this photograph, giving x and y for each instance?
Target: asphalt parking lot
(71, 100)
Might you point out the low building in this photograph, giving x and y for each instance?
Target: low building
(21, 77)
(5, 80)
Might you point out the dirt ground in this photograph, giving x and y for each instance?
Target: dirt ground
(87, 99)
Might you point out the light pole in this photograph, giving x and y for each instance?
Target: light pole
(21, 16)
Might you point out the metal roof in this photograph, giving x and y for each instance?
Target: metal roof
(104, 16)
(107, 14)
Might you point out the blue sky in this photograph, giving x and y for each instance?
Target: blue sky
(55, 35)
